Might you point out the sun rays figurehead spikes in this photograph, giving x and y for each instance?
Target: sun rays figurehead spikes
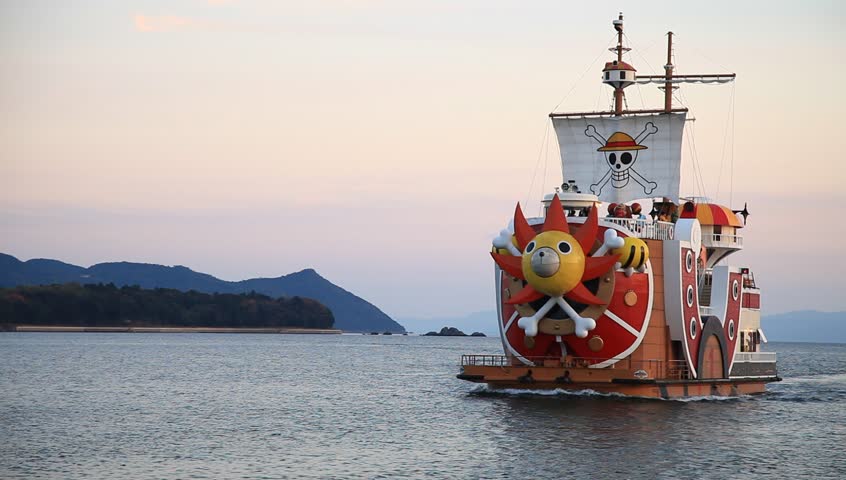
(554, 262)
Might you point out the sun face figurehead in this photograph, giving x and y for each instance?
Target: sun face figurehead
(553, 263)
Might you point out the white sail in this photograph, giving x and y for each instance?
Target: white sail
(622, 158)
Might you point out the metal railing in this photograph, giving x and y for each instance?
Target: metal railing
(662, 369)
(486, 360)
(760, 357)
(642, 228)
(722, 240)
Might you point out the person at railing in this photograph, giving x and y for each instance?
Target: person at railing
(527, 378)
(564, 378)
(688, 210)
(638, 210)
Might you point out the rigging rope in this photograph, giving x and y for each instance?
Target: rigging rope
(652, 70)
(729, 114)
(731, 154)
(545, 166)
(537, 163)
(576, 83)
(543, 151)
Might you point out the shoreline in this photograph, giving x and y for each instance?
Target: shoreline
(284, 330)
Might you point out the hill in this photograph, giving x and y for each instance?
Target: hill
(351, 312)
(72, 304)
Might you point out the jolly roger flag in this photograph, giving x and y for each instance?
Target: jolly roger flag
(620, 159)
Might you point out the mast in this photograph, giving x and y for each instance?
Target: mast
(621, 155)
(619, 75)
(669, 79)
(668, 69)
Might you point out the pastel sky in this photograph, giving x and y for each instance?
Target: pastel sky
(384, 143)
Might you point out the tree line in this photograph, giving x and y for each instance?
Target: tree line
(106, 305)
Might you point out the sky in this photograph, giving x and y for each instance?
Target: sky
(385, 143)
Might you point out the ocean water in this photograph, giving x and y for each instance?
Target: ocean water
(167, 406)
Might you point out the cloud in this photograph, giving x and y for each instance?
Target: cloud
(171, 23)
(176, 23)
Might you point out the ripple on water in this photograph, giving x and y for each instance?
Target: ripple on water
(275, 406)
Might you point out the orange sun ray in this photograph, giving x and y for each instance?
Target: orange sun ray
(587, 233)
(596, 266)
(555, 218)
(511, 264)
(582, 295)
(526, 295)
(522, 229)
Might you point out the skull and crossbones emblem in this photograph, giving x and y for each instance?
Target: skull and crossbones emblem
(621, 154)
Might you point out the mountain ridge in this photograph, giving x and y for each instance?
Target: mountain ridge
(352, 313)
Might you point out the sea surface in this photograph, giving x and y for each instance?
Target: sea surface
(168, 406)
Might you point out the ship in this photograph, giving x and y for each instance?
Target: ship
(596, 295)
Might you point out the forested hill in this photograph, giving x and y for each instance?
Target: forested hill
(101, 305)
(351, 312)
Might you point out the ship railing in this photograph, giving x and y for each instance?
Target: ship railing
(755, 357)
(722, 240)
(486, 361)
(655, 369)
(644, 228)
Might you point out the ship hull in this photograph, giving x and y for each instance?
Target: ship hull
(654, 340)
(550, 378)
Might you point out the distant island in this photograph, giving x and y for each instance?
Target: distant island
(352, 314)
(75, 305)
(453, 332)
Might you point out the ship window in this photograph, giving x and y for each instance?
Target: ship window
(622, 74)
(690, 295)
(688, 261)
(607, 75)
(692, 327)
(731, 329)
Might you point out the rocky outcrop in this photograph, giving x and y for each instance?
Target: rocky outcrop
(447, 332)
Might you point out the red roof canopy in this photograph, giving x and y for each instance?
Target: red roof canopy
(712, 214)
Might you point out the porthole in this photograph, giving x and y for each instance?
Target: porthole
(688, 261)
(735, 289)
(690, 295)
(731, 329)
(692, 328)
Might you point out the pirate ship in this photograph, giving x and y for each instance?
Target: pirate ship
(633, 305)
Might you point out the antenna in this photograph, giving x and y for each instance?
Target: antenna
(618, 91)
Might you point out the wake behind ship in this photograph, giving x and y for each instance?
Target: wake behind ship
(644, 306)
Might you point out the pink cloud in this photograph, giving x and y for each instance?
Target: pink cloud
(170, 23)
